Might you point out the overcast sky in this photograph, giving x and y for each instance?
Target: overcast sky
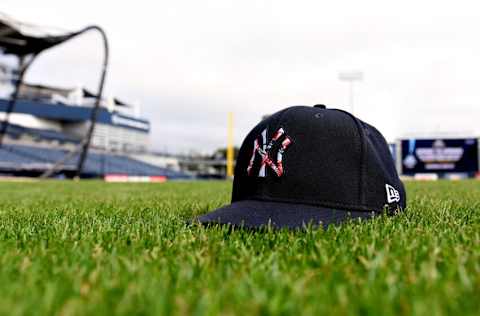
(189, 63)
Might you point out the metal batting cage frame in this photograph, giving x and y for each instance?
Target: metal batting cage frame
(27, 42)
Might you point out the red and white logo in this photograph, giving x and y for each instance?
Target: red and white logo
(265, 152)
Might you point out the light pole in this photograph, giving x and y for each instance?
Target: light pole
(351, 77)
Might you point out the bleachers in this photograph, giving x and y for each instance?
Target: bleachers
(97, 164)
(9, 158)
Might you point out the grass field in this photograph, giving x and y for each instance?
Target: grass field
(92, 248)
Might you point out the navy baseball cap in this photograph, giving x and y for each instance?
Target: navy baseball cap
(311, 165)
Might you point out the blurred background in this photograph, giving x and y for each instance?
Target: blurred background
(185, 77)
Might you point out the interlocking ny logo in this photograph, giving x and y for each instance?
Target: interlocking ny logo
(265, 152)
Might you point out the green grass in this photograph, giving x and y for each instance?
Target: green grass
(71, 248)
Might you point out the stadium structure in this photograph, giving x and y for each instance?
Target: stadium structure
(67, 132)
(73, 132)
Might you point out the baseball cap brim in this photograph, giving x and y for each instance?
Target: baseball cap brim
(258, 214)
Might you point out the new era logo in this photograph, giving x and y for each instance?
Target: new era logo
(392, 194)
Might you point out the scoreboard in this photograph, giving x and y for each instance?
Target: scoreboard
(450, 155)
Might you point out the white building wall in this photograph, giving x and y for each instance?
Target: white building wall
(119, 138)
(159, 161)
(105, 136)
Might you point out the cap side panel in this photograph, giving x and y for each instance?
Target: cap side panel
(383, 183)
(363, 149)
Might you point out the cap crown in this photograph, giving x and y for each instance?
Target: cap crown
(317, 156)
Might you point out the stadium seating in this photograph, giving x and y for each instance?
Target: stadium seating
(9, 158)
(97, 164)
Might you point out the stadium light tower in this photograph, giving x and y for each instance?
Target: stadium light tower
(351, 77)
